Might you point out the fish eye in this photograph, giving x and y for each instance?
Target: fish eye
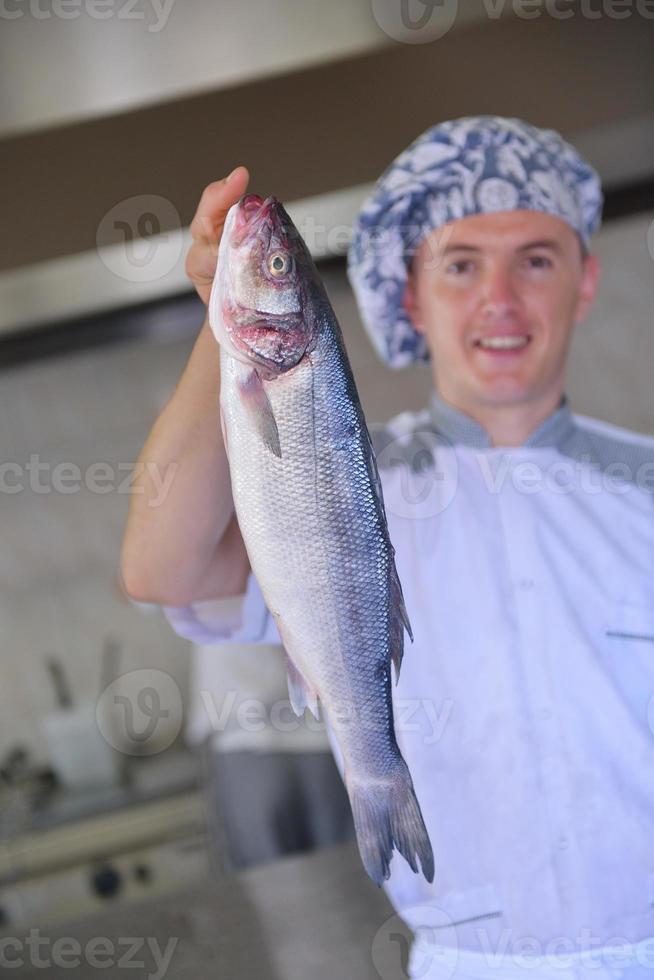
(279, 264)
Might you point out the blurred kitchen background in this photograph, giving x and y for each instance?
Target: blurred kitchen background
(113, 118)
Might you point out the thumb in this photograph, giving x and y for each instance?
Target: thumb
(217, 198)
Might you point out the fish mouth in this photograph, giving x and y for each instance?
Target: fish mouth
(261, 218)
(252, 211)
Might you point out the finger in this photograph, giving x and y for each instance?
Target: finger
(217, 198)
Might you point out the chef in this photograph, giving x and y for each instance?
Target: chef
(524, 539)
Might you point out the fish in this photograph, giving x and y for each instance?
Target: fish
(309, 504)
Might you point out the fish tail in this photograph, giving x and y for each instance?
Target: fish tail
(387, 815)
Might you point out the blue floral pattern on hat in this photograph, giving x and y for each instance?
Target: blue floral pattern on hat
(474, 165)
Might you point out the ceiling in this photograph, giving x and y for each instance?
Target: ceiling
(133, 53)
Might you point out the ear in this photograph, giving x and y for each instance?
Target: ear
(410, 304)
(587, 287)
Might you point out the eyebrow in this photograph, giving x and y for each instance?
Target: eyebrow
(541, 243)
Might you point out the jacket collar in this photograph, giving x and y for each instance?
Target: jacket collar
(457, 427)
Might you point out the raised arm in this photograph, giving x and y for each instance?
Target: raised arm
(182, 542)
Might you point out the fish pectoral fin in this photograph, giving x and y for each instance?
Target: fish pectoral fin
(300, 692)
(256, 401)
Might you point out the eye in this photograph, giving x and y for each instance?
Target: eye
(539, 262)
(463, 265)
(279, 264)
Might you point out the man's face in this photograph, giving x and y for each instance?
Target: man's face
(497, 297)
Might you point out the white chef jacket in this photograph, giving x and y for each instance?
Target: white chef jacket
(525, 705)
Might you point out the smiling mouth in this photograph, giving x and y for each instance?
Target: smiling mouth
(506, 342)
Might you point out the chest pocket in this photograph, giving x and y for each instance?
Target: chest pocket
(628, 654)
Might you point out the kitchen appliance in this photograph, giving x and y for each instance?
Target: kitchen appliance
(84, 852)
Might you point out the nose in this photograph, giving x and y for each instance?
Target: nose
(498, 296)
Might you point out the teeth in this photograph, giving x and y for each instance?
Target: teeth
(504, 343)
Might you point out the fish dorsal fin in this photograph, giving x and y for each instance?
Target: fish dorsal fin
(399, 621)
(300, 692)
(374, 473)
(257, 404)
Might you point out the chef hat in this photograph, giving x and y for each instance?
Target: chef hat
(473, 165)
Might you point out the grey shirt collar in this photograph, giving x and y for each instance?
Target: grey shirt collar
(457, 427)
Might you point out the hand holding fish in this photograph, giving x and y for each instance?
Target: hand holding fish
(165, 559)
(207, 226)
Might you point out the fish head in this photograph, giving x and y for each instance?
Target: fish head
(259, 308)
